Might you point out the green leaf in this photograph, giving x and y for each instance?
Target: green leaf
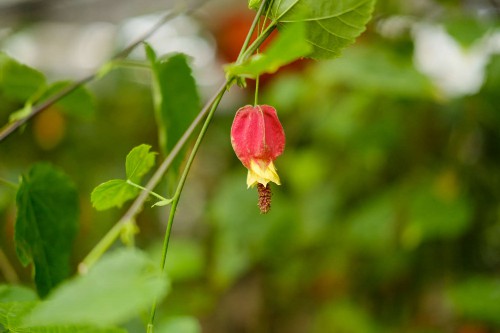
(79, 102)
(46, 224)
(10, 293)
(175, 96)
(113, 193)
(331, 25)
(139, 161)
(288, 47)
(254, 4)
(12, 313)
(162, 203)
(116, 192)
(179, 325)
(121, 285)
(69, 329)
(19, 81)
(22, 113)
(150, 54)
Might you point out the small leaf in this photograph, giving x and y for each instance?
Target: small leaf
(79, 102)
(175, 96)
(139, 161)
(119, 286)
(150, 53)
(21, 114)
(113, 193)
(331, 25)
(17, 80)
(46, 224)
(288, 47)
(162, 203)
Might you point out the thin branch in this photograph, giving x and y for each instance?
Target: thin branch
(155, 179)
(9, 128)
(137, 205)
(180, 186)
(252, 29)
(167, 17)
(145, 189)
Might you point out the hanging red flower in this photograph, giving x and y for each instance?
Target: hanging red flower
(258, 139)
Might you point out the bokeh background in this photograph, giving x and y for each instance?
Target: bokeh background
(388, 219)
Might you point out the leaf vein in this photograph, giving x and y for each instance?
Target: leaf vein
(348, 10)
(346, 23)
(321, 47)
(286, 10)
(331, 32)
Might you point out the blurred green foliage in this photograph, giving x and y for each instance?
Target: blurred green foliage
(387, 219)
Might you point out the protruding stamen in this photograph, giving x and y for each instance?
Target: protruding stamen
(264, 198)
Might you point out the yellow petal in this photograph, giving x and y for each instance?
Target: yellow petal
(262, 175)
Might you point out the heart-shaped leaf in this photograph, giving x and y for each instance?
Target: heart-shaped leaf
(331, 24)
(46, 224)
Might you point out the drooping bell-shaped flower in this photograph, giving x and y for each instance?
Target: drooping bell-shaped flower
(258, 139)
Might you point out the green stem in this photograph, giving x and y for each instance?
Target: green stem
(256, 98)
(145, 189)
(267, 14)
(9, 183)
(185, 173)
(101, 247)
(177, 195)
(256, 44)
(251, 31)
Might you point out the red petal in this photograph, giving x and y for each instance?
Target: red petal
(247, 134)
(257, 134)
(275, 136)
